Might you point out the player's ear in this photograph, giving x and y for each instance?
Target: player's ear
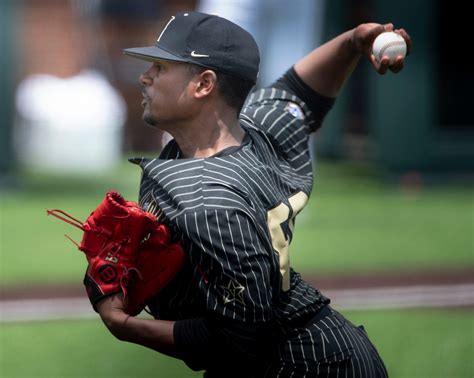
(206, 84)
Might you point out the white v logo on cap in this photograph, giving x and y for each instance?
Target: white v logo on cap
(203, 32)
(195, 55)
(166, 26)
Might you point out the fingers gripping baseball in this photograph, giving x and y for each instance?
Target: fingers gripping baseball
(385, 46)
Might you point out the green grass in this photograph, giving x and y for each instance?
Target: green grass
(356, 221)
(353, 221)
(422, 343)
(414, 344)
(386, 232)
(82, 349)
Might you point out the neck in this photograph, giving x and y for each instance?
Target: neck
(208, 134)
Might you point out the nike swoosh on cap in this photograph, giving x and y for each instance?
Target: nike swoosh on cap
(195, 55)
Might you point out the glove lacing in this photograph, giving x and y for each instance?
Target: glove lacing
(114, 250)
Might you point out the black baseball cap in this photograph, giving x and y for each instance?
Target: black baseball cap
(206, 40)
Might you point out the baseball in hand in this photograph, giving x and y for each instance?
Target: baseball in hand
(389, 44)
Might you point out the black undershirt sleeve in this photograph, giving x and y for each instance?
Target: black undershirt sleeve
(192, 339)
(219, 345)
(317, 103)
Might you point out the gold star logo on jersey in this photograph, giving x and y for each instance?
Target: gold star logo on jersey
(233, 292)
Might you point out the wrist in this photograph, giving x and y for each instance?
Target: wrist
(116, 323)
(352, 43)
(112, 313)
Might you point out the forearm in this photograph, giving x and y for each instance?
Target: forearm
(150, 333)
(326, 68)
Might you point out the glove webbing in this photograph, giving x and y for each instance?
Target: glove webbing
(115, 248)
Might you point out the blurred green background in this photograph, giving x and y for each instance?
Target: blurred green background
(393, 180)
(413, 344)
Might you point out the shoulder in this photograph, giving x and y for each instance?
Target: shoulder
(262, 102)
(278, 112)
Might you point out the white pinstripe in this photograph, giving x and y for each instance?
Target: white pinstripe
(219, 206)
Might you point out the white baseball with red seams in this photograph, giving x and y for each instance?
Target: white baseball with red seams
(389, 44)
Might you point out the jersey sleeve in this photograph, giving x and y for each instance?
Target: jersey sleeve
(232, 258)
(238, 276)
(288, 112)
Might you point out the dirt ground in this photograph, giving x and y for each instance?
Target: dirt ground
(323, 282)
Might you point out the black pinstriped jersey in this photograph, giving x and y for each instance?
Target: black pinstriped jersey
(235, 214)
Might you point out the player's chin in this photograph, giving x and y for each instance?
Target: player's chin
(149, 119)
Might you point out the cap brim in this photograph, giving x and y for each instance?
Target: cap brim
(152, 53)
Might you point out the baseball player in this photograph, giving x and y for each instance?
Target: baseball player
(230, 185)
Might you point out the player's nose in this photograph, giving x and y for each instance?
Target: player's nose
(145, 78)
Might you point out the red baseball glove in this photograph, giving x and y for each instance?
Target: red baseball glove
(126, 250)
(158, 261)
